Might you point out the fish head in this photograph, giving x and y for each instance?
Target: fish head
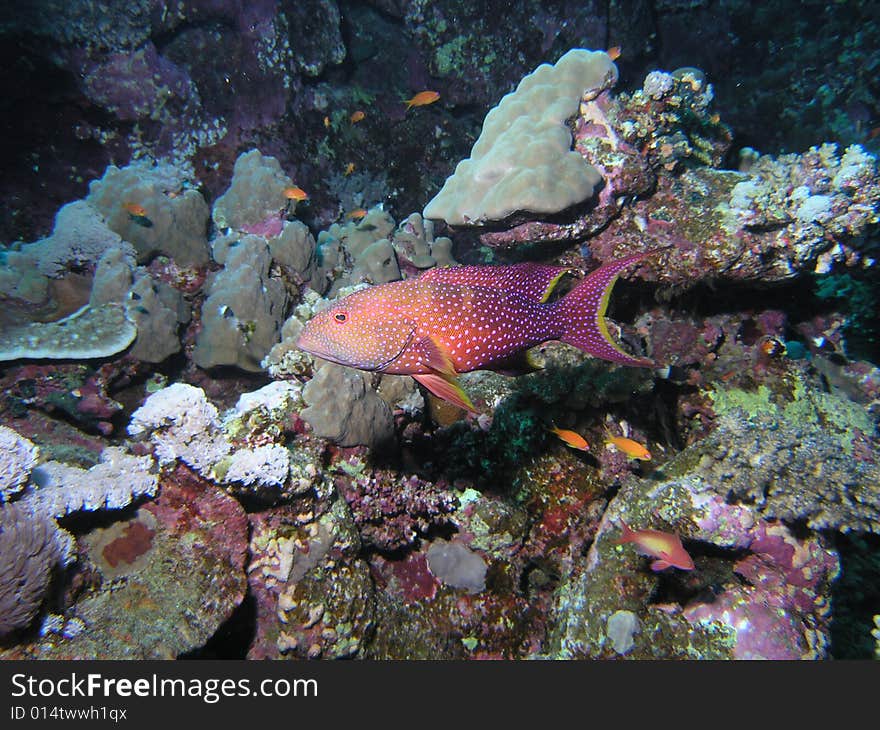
(683, 560)
(363, 330)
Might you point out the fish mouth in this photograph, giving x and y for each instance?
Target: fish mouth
(312, 346)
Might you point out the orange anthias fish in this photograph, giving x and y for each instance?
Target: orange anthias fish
(349, 168)
(664, 546)
(633, 449)
(356, 214)
(572, 438)
(457, 319)
(613, 52)
(135, 209)
(138, 214)
(358, 116)
(422, 98)
(295, 193)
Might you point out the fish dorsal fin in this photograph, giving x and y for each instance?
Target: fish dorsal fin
(448, 389)
(435, 356)
(531, 280)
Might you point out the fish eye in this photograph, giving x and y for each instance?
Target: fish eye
(340, 317)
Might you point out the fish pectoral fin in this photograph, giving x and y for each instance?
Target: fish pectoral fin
(434, 355)
(447, 389)
(659, 565)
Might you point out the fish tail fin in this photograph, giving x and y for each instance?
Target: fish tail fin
(582, 312)
(625, 533)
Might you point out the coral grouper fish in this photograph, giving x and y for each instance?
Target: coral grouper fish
(457, 319)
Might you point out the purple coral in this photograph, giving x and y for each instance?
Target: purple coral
(390, 511)
(782, 612)
(135, 85)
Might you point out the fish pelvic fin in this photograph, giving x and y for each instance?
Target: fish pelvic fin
(446, 388)
(582, 314)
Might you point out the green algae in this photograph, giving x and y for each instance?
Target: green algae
(842, 417)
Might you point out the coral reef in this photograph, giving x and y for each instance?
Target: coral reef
(93, 331)
(33, 543)
(358, 250)
(170, 579)
(417, 247)
(658, 148)
(294, 248)
(795, 462)
(255, 194)
(79, 237)
(391, 512)
(456, 565)
(322, 592)
(112, 483)
(178, 479)
(782, 612)
(79, 290)
(181, 423)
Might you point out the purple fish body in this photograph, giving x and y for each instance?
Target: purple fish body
(458, 319)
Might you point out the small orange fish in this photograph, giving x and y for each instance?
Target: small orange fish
(422, 98)
(295, 193)
(613, 53)
(358, 116)
(138, 211)
(326, 122)
(771, 347)
(633, 449)
(349, 168)
(357, 214)
(572, 438)
(664, 546)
